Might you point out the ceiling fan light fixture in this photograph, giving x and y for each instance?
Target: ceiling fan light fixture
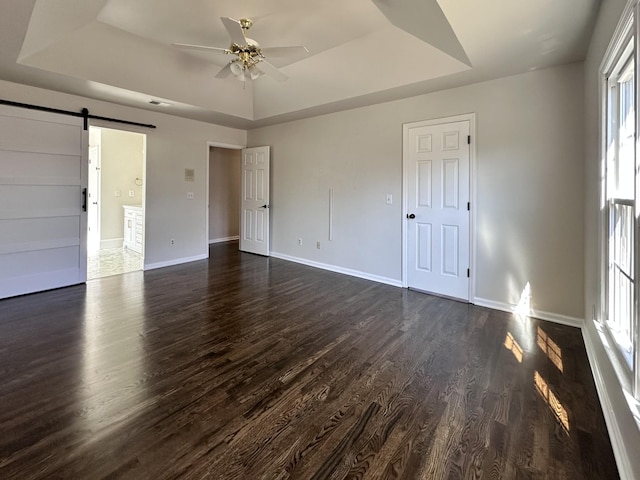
(254, 72)
(237, 68)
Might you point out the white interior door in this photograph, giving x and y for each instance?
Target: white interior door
(43, 225)
(437, 170)
(93, 241)
(254, 220)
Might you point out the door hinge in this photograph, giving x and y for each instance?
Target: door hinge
(468, 273)
(468, 206)
(468, 139)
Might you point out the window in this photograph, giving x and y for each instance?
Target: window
(621, 291)
(620, 183)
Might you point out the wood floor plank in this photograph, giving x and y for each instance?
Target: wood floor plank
(246, 367)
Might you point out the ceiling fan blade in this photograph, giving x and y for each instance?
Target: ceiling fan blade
(286, 52)
(234, 30)
(188, 46)
(225, 72)
(283, 56)
(267, 68)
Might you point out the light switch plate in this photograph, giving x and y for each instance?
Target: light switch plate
(190, 195)
(389, 199)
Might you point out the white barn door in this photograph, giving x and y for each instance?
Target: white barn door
(437, 175)
(254, 221)
(43, 181)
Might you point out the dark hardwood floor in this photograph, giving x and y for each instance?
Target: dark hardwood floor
(244, 367)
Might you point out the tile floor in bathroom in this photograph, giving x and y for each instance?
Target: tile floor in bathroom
(112, 261)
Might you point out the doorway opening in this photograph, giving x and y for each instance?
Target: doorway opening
(116, 202)
(224, 194)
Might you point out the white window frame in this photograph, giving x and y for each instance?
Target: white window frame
(628, 28)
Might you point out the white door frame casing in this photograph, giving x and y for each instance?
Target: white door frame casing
(93, 198)
(471, 118)
(210, 145)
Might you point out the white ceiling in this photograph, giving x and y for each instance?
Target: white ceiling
(120, 50)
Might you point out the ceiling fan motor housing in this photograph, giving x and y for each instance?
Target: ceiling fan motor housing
(249, 54)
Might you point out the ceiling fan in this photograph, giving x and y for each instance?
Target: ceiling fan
(250, 61)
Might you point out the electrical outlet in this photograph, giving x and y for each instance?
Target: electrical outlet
(190, 195)
(299, 242)
(132, 193)
(172, 242)
(318, 245)
(117, 193)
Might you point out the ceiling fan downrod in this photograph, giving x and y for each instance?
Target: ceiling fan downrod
(245, 23)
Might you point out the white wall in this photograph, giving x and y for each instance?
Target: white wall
(174, 145)
(623, 429)
(529, 185)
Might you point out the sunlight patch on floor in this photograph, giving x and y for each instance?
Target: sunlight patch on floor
(511, 344)
(550, 348)
(551, 400)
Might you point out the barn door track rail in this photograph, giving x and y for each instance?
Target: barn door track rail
(83, 114)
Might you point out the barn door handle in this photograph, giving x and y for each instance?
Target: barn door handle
(84, 199)
(411, 215)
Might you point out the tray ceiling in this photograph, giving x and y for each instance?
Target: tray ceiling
(361, 51)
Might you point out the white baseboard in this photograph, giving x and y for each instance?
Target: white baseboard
(542, 315)
(111, 243)
(176, 261)
(334, 268)
(225, 239)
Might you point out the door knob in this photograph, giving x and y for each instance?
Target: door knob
(264, 206)
(410, 215)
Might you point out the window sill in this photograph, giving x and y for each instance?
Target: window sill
(621, 369)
